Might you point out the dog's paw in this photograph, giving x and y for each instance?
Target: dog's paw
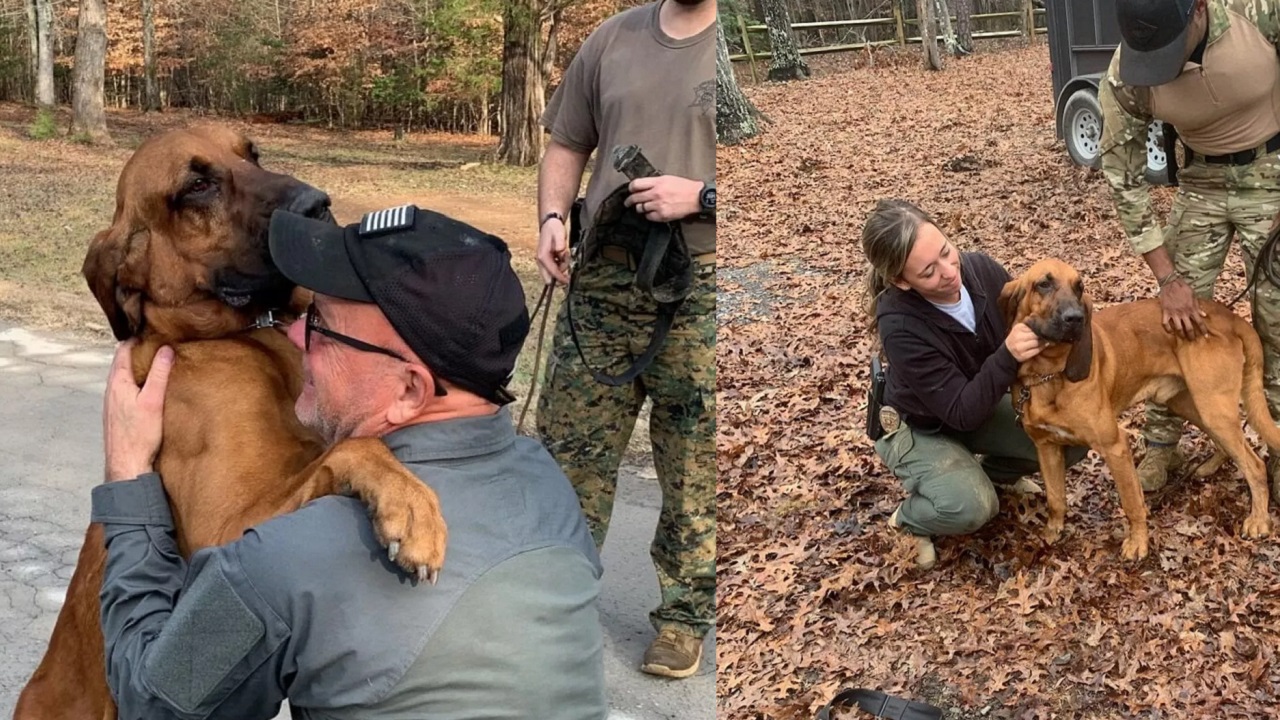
(1052, 532)
(1256, 527)
(1134, 548)
(413, 531)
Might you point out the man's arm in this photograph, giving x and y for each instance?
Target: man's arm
(1125, 117)
(559, 177)
(217, 653)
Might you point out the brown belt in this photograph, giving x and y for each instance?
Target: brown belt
(616, 254)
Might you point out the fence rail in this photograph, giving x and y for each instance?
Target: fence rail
(901, 39)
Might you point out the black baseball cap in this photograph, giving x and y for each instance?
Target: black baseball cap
(448, 289)
(1153, 39)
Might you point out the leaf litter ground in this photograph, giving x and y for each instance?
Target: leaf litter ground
(816, 592)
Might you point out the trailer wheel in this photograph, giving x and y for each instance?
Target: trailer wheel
(1157, 162)
(1082, 125)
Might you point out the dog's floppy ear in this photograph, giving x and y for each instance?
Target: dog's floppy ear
(1080, 359)
(1010, 299)
(115, 268)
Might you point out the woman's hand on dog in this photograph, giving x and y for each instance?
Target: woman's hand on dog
(132, 416)
(1023, 343)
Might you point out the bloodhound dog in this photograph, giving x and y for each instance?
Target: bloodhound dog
(1099, 364)
(185, 262)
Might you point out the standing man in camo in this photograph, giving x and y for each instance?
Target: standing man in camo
(1210, 69)
(645, 77)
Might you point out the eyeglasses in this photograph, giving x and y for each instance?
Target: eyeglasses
(313, 325)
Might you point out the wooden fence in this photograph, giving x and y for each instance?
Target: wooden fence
(897, 21)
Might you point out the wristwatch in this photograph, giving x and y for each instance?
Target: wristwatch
(707, 198)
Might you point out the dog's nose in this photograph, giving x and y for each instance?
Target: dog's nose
(310, 202)
(1073, 316)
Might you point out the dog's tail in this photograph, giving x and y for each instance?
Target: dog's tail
(1255, 399)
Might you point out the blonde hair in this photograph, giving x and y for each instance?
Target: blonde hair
(887, 238)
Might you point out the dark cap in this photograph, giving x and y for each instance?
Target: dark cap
(1153, 39)
(448, 289)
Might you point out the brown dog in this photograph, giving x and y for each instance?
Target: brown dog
(185, 263)
(1098, 365)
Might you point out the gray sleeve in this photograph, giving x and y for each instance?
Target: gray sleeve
(181, 642)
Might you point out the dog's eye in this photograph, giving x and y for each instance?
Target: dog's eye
(1044, 285)
(199, 185)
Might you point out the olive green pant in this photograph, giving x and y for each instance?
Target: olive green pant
(952, 492)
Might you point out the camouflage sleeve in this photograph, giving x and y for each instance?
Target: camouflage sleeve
(1265, 14)
(1125, 116)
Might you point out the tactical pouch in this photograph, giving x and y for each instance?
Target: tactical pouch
(875, 399)
(1170, 136)
(575, 223)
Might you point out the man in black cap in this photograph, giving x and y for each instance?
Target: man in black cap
(1208, 68)
(412, 337)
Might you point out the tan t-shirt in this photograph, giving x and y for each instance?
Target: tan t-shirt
(631, 84)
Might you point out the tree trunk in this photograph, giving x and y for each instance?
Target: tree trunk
(33, 37)
(523, 96)
(736, 118)
(944, 24)
(151, 102)
(928, 40)
(785, 62)
(964, 35)
(44, 59)
(89, 119)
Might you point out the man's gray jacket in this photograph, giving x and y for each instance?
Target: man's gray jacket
(306, 606)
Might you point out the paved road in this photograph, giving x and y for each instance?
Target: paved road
(50, 456)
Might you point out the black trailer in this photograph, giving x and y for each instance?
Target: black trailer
(1083, 35)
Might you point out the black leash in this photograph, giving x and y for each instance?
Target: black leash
(881, 705)
(1266, 259)
(544, 303)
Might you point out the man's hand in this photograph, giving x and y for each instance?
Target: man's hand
(665, 198)
(1023, 343)
(553, 255)
(1180, 312)
(133, 417)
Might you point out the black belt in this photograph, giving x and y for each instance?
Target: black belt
(1244, 157)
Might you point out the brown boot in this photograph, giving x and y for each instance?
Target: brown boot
(1160, 460)
(673, 654)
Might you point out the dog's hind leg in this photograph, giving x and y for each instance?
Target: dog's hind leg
(1203, 404)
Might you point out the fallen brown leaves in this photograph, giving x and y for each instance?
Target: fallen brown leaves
(815, 592)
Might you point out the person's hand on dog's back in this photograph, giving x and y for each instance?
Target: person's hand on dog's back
(1180, 313)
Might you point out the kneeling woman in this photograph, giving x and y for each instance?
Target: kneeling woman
(951, 362)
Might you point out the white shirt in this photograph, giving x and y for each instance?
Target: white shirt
(962, 311)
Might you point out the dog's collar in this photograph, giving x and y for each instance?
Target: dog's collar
(267, 319)
(1024, 394)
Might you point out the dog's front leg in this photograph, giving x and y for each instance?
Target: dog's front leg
(1120, 460)
(1053, 470)
(405, 511)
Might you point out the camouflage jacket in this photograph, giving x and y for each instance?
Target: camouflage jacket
(1126, 113)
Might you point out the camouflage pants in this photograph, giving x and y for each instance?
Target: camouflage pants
(1215, 203)
(586, 425)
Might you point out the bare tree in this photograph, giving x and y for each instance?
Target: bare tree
(928, 38)
(964, 35)
(44, 53)
(526, 66)
(785, 61)
(736, 118)
(89, 118)
(944, 24)
(151, 99)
